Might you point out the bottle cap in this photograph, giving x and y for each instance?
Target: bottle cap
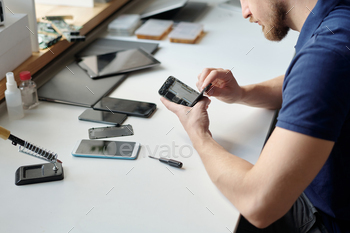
(25, 75)
(11, 82)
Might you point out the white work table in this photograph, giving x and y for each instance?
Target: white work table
(144, 195)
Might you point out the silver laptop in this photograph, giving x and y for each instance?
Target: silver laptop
(159, 6)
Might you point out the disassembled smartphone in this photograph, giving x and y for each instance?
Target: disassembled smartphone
(129, 107)
(178, 92)
(110, 132)
(103, 117)
(106, 149)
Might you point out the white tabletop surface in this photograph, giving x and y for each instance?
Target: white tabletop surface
(107, 195)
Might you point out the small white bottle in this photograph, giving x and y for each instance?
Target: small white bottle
(13, 98)
(28, 91)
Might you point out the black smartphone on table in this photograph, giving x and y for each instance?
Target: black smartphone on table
(103, 117)
(129, 107)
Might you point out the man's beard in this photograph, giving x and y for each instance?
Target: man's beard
(276, 29)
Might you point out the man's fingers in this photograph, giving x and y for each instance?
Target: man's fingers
(175, 108)
(219, 78)
(213, 75)
(168, 104)
(203, 103)
(202, 76)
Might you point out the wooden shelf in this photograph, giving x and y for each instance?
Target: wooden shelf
(87, 17)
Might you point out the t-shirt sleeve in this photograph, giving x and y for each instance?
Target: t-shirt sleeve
(316, 93)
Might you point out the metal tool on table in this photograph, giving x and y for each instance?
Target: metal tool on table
(170, 162)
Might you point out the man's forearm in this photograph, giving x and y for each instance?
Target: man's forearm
(267, 94)
(228, 172)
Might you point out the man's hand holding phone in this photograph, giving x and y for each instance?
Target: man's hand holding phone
(195, 120)
(224, 85)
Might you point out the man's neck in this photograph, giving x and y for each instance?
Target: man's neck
(299, 10)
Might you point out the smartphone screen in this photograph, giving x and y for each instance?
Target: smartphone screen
(129, 107)
(103, 117)
(106, 149)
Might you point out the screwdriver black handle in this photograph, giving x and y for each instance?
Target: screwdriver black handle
(171, 162)
(200, 95)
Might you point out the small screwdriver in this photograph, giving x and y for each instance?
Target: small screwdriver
(201, 95)
(170, 162)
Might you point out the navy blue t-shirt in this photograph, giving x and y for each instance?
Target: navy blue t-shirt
(316, 102)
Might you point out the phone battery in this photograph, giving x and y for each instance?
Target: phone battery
(154, 29)
(110, 132)
(187, 33)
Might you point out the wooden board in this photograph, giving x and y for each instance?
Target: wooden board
(89, 18)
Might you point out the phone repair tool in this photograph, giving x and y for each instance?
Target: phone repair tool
(170, 162)
(34, 173)
(201, 95)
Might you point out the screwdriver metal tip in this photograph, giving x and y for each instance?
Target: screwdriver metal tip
(153, 157)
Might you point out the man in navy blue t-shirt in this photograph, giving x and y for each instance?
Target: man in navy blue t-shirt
(301, 182)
